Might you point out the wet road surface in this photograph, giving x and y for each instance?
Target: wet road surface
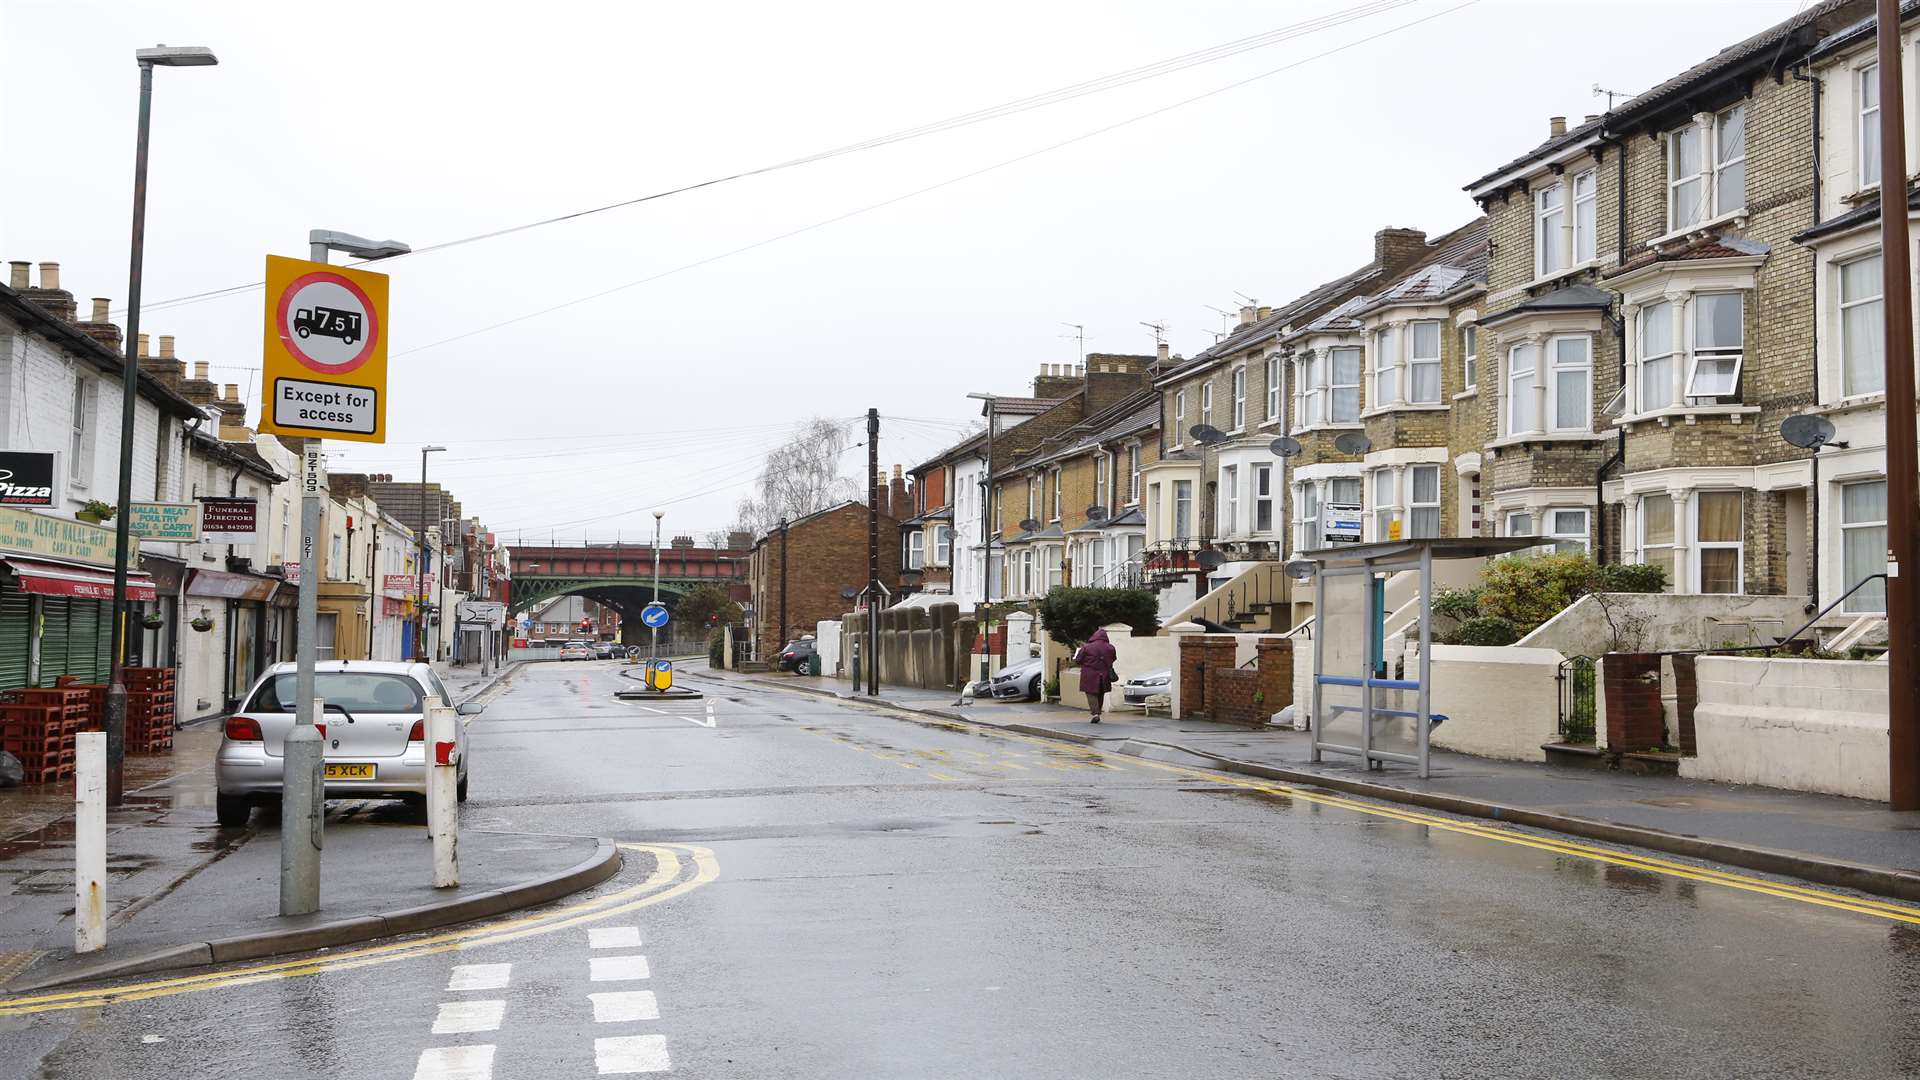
(821, 890)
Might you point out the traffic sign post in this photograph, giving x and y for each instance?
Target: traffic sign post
(323, 375)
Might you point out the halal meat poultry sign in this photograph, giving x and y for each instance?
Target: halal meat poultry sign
(325, 356)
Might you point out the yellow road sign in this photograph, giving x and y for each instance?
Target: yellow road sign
(324, 369)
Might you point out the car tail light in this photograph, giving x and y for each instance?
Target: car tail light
(419, 732)
(243, 729)
(322, 729)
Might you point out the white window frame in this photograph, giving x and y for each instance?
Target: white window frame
(1557, 366)
(1508, 519)
(1183, 508)
(1179, 416)
(1852, 604)
(1717, 354)
(1696, 547)
(1206, 403)
(943, 545)
(1515, 386)
(1383, 507)
(1721, 166)
(1705, 129)
(1133, 474)
(1307, 376)
(1262, 499)
(1383, 389)
(1096, 560)
(1230, 500)
(1469, 357)
(1559, 533)
(1649, 314)
(1876, 335)
(1550, 219)
(916, 550)
(1053, 480)
(1334, 389)
(81, 439)
(1585, 217)
(1416, 361)
(1309, 515)
(1866, 126)
(1416, 507)
(1101, 464)
(1034, 495)
(1052, 560)
(1274, 379)
(1239, 413)
(1674, 543)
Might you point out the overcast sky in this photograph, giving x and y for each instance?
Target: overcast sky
(432, 122)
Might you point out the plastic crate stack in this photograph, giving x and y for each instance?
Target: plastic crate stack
(150, 717)
(37, 726)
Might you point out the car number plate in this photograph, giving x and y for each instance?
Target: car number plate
(343, 771)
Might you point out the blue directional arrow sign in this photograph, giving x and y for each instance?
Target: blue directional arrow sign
(654, 616)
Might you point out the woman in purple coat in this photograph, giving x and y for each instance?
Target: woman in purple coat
(1096, 670)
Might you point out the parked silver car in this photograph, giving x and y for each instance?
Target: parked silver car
(374, 733)
(1137, 690)
(1019, 680)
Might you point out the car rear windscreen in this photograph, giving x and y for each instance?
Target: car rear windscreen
(354, 691)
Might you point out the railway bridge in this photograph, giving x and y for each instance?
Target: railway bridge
(621, 575)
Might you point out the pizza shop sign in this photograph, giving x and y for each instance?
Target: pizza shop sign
(26, 478)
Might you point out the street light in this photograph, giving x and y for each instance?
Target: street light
(321, 241)
(420, 562)
(986, 543)
(116, 718)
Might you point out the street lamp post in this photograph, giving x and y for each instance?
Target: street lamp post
(116, 718)
(653, 644)
(986, 541)
(420, 563)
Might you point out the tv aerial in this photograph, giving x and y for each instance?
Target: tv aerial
(1809, 432)
(1352, 442)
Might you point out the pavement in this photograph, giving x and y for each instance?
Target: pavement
(825, 888)
(1828, 839)
(182, 891)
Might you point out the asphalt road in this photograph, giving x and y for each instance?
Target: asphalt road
(819, 890)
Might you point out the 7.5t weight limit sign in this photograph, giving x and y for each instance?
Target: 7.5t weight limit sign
(324, 369)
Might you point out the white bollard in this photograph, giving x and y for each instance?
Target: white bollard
(443, 794)
(90, 842)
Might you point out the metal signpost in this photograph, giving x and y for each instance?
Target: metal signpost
(324, 373)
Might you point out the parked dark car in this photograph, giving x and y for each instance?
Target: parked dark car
(795, 656)
(607, 650)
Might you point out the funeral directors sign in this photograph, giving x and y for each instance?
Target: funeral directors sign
(228, 521)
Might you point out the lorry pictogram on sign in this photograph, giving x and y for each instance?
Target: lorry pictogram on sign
(344, 325)
(325, 353)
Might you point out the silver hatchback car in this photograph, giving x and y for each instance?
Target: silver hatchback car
(374, 734)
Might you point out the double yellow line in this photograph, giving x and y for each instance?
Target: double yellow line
(664, 883)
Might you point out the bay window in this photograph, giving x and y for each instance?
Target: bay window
(1717, 545)
(1386, 367)
(1572, 379)
(943, 546)
(1423, 502)
(1657, 533)
(1523, 408)
(1343, 385)
(1384, 510)
(1240, 398)
(1306, 380)
(1273, 388)
(1096, 561)
(1656, 356)
(1567, 526)
(1549, 229)
(1863, 544)
(1309, 516)
(1423, 363)
(1866, 88)
(1052, 553)
(1718, 345)
(1262, 498)
(1182, 509)
(915, 550)
(1862, 341)
(1586, 193)
(1519, 523)
(1344, 491)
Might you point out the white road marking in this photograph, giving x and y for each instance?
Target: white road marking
(614, 937)
(464, 1017)
(631, 1054)
(479, 977)
(618, 968)
(708, 722)
(455, 1063)
(624, 1005)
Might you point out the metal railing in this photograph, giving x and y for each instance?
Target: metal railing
(1577, 699)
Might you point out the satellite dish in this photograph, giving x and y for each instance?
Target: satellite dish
(1299, 569)
(1352, 442)
(1207, 434)
(1210, 559)
(1285, 446)
(1807, 432)
(1096, 513)
(1029, 525)
(849, 593)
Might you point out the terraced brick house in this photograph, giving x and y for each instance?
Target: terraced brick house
(1649, 322)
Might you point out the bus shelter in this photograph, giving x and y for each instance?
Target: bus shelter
(1364, 703)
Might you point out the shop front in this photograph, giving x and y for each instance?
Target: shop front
(237, 603)
(56, 598)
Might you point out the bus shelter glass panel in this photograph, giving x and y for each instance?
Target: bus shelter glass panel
(1342, 638)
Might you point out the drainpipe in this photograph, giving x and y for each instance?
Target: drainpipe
(1620, 453)
(1801, 73)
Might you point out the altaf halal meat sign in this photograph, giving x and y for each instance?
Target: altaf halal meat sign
(26, 478)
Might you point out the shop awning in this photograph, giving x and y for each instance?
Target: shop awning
(226, 586)
(71, 579)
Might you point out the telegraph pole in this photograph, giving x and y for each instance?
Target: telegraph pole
(873, 552)
(1903, 461)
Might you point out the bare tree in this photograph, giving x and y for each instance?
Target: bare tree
(801, 476)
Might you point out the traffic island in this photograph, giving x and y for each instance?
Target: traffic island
(656, 684)
(377, 881)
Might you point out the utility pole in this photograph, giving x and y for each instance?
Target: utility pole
(1903, 461)
(783, 579)
(873, 552)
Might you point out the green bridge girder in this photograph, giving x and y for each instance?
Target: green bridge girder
(532, 590)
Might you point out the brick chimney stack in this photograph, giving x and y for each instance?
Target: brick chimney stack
(50, 295)
(1056, 381)
(899, 499)
(100, 328)
(233, 415)
(1395, 249)
(199, 389)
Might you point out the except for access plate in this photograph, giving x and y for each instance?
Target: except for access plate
(322, 407)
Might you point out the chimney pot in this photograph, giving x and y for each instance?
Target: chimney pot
(1160, 352)
(143, 346)
(1079, 369)
(200, 370)
(50, 275)
(1591, 117)
(17, 274)
(1246, 314)
(100, 306)
(230, 392)
(1262, 312)
(1556, 126)
(166, 346)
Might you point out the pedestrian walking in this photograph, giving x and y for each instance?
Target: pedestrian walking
(1096, 670)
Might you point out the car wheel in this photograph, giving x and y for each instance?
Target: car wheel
(462, 796)
(232, 811)
(1033, 689)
